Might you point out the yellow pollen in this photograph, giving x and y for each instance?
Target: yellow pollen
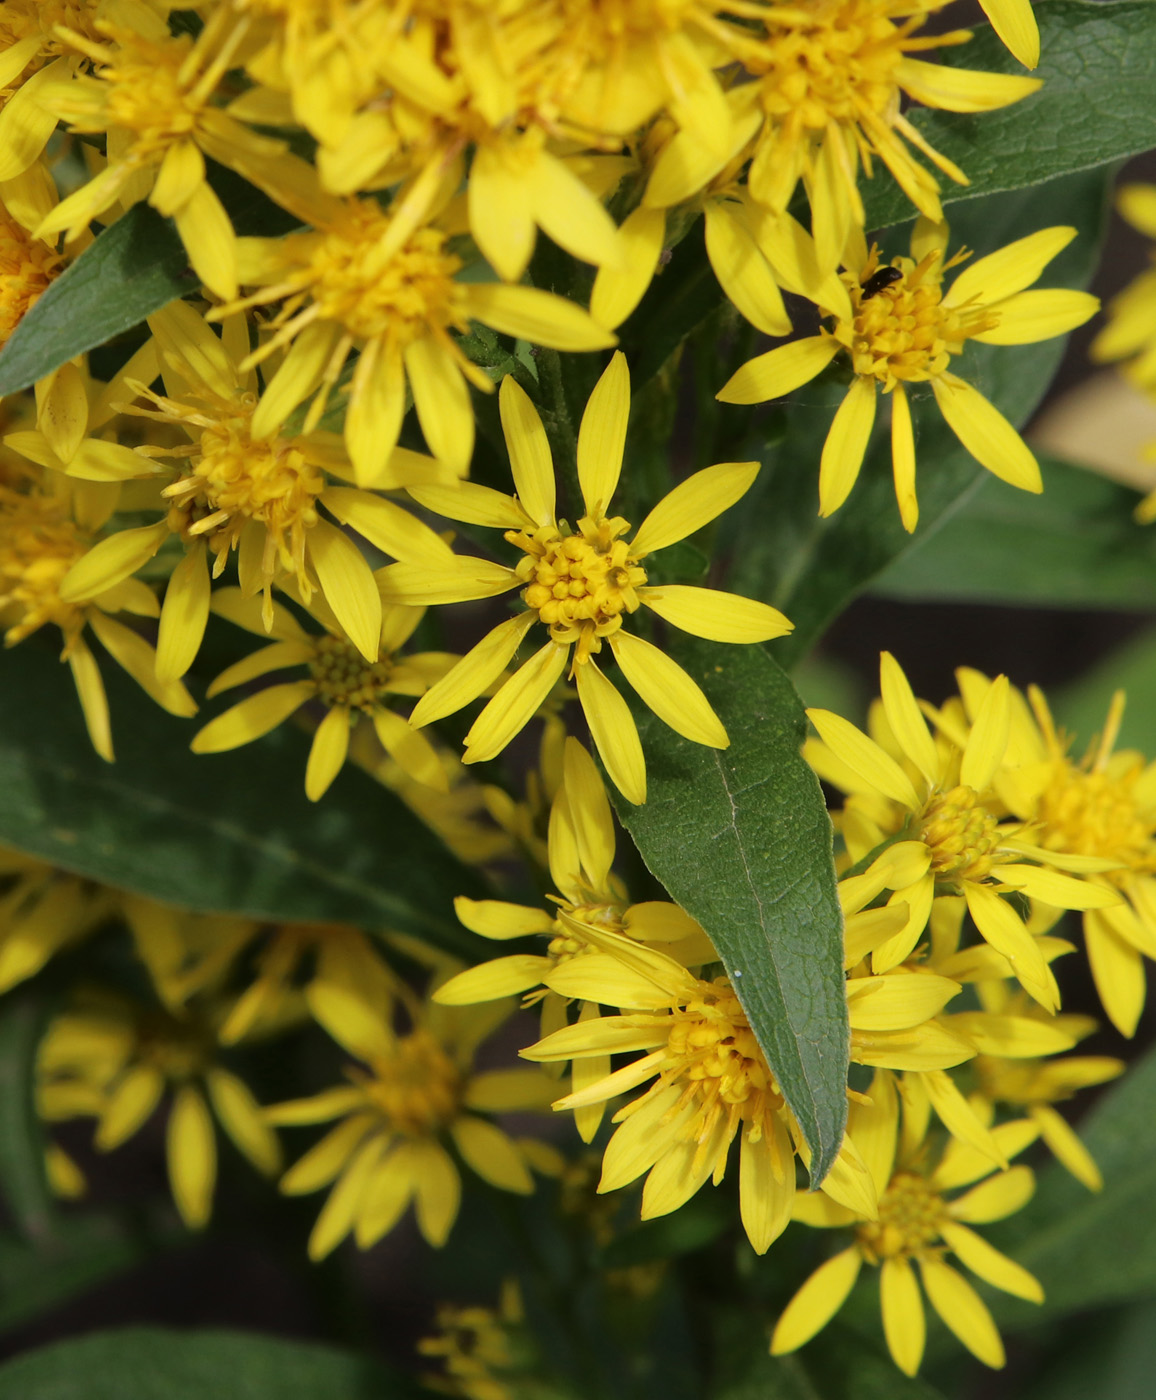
(402, 297)
(27, 267)
(910, 1216)
(963, 837)
(1095, 814)
(236, 480)
(903, 332)
(579, 584)
(39, 543)
(417, 1089)
(344, 677)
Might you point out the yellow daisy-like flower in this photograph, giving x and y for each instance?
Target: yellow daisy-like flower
(581, 854)
(951, 841)
(365, 277)
(712, 1083)
(264, 496)
(113, 1060)
(581, 583)
(152, 93)
(1102, 807)
(42, 909)
(917, 1225)
(827, 80)
(905, 329)
(484, 1352)
(340, 677)
(44, 530)
(417, 1090)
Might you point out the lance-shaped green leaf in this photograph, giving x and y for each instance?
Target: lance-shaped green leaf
(23, 1179)
(154, 1363)
(1098, 64)
(741, 839)
(220, 832)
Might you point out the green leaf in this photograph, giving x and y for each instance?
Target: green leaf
(742, 840)
(23, 1180)
(1091, 1249)
(225, 832)
(132, 269)
(1076, 546)
(1112, 1359)
(811, 568)
(153, 1363)
(1098, 63)
(703, 1219)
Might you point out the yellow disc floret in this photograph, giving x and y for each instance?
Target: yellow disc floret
(39, 543)
(417, 1089)
(911, 1213)
(344, 677)
(27, 266)
(961, 834)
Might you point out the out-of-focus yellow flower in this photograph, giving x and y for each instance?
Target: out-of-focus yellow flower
(349, 686)
(42, 909)
(904, 328)
(484, 1351)
(581, 583)
(113, 1060)
(417, 1089)
(917, 1224)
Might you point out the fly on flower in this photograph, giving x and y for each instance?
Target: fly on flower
(582, 583)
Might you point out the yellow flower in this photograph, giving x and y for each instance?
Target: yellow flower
(712, 1082)
(42, 910)
(916, 1225)
(365, 277)
(581, 854)
(417, 1089)
(152, 93)
(951, 841)
(28, 266)
(905, 329)
(41, 537)
(349, 686)
(1101, 807)
(826, 84)
(114, 1060)
(581, 583)
(261, 495)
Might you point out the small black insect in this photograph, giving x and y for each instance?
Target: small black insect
(878, 280)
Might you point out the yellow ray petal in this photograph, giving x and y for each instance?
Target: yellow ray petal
(1010, 269)
(475, 672)
(192, 1156)
(385, 525)
(987, 743)
(1118, 972)
(986, 433)
(1001, 926)
(668, 690)
(617, 291)
(602, 437)
(112, 560)
(501, 213)
(349, 586)
(241, 1117)
(93, 700)
(817, 1302)
(442, 399)
(515, 704)
(327, 752)
(184, 615)
(962, 1310)
(780, 371)
(537, 316)
(905, 718)
(474, 504)
(530, 461)
(1030, 316)
(209, 241)
(694, 502)
(614, 733)
(325, 1159)
(743, 271)
(254, 716)
(130, 1105)
(297, 377)
(426, 585)
(903, 458)
(571, 214)
(718, 616)
(992, 1266)
(488, 1150)
(864, 756)
(845, 445)
(904, 1324)
(961, 89)
(376, 408)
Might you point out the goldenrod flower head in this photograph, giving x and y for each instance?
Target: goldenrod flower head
(40, 540)
(417, 1089)
(581, 583)
(481, 1349)
(905, 328)
(27, 268)
(712, 1082)
(953, 843)
(42, 910)
(1100, 809)
(153, 93)
(114, 1060)
(264, 496)
(346, 683)
(365, 277)
(917, 1224)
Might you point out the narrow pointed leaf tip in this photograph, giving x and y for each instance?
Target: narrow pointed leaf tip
(741, 839)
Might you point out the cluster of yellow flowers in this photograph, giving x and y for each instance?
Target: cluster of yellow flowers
(983, 815)
(419, 148)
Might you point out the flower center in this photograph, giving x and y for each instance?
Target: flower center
(826, 62)
(180, 1050)
(149, 93)
(963, 837)
(237, 480)
(1095, 814)
(580, 584)
(344, 677)
(27, 267)
(417, 1089)
(38, 546)
(401, 296)
(910, 1215)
